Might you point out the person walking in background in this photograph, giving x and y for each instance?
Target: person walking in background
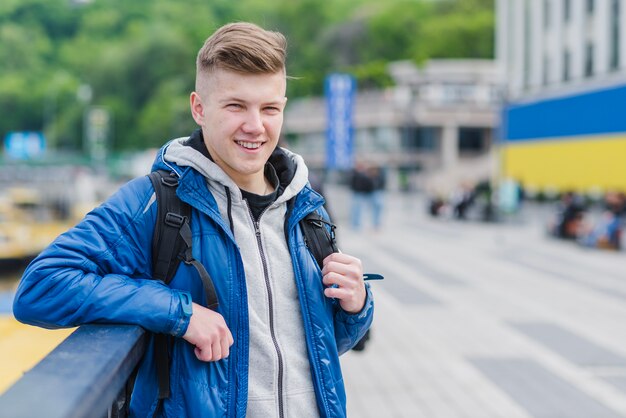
(362, 185)
(271, 347)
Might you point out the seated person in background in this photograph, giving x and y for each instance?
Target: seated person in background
(608, 230)
(569, 217)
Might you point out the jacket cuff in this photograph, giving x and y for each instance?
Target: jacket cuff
(181, 318)
(363, 314)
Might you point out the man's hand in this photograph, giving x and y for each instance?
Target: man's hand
(344, 276)
(209, 333)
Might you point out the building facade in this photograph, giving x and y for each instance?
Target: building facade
(437, 121)
(564, 62)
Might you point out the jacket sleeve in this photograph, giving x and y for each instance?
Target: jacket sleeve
(351, 327)
(99, 271)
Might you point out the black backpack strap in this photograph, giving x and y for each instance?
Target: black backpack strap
(172, 240)
(166, 245)
(319, 236)
(171, 244)
(207, 282)
(172, 212)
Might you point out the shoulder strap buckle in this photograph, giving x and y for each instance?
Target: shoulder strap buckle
(174, 219)
(169, 180)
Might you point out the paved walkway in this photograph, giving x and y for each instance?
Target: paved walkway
(485, 320)
(476, 320)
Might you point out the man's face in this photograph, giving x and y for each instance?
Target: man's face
(241, 116)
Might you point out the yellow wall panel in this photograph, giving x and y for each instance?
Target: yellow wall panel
(581, 164)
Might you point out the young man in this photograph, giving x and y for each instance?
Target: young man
(272, 347)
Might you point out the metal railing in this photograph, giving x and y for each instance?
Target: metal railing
(87, 375)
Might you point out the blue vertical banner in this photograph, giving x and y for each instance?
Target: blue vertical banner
(340, 90)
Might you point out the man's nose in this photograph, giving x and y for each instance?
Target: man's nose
(253, 123)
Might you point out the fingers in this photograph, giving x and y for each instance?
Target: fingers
(217, 350)
(203, 355)
(337, 293)
(342, 258)
(342, 270)
(209, 334)
(343, 276)
(225, 348)
(216, 346)
(343, 264)
(341, 280)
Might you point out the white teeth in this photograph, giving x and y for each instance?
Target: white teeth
(249, 145)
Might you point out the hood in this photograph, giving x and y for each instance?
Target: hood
(190, 152)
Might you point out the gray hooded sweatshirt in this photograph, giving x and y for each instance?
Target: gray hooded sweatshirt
(279, 372)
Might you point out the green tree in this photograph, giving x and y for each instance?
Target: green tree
(138, 56)
(461, 30)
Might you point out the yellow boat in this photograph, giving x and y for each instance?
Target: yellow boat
(27, 225)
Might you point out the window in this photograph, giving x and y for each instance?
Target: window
(566, 65)
(458, 93)
(591, 5)
(567, 10)
(546, 70)
(615, 34)
(546, 13)
(422, 138)
(589, 60)
(527, 41)
(471, 139)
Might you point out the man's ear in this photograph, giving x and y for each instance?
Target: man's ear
(197, 108)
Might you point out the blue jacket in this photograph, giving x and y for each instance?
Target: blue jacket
(100, 272)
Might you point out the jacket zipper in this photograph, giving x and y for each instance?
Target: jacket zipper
(257, 232)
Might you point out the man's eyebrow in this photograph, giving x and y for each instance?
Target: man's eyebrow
(231, 99)
(280, 100)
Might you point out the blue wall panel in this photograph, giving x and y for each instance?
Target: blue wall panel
(598, 112)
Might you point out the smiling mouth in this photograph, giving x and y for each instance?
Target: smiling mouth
(249, 145)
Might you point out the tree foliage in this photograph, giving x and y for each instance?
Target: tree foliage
(138, 57)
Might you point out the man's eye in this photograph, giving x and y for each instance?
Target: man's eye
(234, 106)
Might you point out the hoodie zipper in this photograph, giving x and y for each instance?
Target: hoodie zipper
(279, 355)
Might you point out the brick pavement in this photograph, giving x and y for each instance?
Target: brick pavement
(485, 320)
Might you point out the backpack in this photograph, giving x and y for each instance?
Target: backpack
(171, 244)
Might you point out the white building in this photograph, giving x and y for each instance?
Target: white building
(564, 62)
(552, 46)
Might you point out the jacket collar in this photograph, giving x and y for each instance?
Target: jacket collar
(193, 190)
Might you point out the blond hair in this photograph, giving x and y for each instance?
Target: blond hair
(244, 48)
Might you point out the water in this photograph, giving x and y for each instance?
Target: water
(10, 274)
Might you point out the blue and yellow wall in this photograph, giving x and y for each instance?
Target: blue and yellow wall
(575, 142)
